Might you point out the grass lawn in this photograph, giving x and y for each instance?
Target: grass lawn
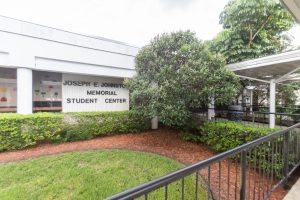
(88, 175)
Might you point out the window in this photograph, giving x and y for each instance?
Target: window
(47, 91)
(8, 90)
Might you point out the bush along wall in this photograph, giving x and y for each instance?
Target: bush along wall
(223, 136)
(20, 131)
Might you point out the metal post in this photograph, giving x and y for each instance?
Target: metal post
(251, 101)
(211, 109)
(272, 102)
(154, 123)
(243, 175)
(285, 159)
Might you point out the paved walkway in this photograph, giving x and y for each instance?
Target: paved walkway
(294, 193)
(164, 142)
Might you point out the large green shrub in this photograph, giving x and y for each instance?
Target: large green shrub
(177, 72)
(19, 131)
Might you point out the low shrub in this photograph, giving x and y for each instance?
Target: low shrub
(19, 131)
(226, 135)
(222, 136)
(86, 125)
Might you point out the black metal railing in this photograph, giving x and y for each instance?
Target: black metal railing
(256, 118)
(250, 171)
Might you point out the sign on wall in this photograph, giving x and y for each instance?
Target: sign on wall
(90, 93)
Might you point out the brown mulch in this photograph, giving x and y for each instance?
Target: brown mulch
(165, 142)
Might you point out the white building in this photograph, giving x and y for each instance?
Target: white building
(47, 69)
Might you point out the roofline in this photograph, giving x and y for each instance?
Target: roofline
(79, 34)
(266, 61)
(290, 11)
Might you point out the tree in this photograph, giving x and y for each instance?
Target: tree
(252, 29)
(177, 72)
(286, 96)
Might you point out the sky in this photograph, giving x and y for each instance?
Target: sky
(134, 22)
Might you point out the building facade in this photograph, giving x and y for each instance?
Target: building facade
(47, 69)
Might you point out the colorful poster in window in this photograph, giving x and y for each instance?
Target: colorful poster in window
(46, 87)
(8, 93)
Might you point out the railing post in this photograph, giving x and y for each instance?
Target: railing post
(285, 159)
(280, 119)
(243, 175)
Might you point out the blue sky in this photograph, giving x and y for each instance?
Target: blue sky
(131, 21)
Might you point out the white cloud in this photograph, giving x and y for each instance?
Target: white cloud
(131, 21)
(295, 32)
(176, 3)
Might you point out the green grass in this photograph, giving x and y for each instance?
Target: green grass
(89, 175)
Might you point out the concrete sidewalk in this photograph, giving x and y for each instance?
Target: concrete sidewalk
(294, 193)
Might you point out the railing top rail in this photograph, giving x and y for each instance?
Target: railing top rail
(275, 113)
(159, 182)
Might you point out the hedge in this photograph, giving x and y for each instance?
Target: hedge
(87, 125)
(226, 135)
(222, 136)
(20, 131)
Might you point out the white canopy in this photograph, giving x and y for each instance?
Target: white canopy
(280, 67)
(294, 7)
(273, 70)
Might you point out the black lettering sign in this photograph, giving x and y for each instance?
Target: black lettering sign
(113, 85)
(101, 92)
(96, 84)
(115, 100)
(77, 83)
(81, 100)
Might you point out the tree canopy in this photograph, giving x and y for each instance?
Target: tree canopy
(252, 29)
(286, 95)
(177, 72)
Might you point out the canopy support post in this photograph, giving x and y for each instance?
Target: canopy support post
(211, 109)
(272, 103)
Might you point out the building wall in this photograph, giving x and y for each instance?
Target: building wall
(33, 50)
(42, 48)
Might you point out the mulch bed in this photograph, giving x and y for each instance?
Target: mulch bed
(165, 142)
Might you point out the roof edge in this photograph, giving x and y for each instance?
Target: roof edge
(268, 60)
(66, 31)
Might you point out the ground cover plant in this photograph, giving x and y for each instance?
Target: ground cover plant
(89, 175)
(20, 131)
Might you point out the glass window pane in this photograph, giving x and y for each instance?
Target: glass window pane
(8, 90)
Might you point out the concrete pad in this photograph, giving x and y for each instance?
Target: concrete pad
(294, 193)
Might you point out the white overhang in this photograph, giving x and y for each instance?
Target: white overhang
(281, 67)
(294, 8)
